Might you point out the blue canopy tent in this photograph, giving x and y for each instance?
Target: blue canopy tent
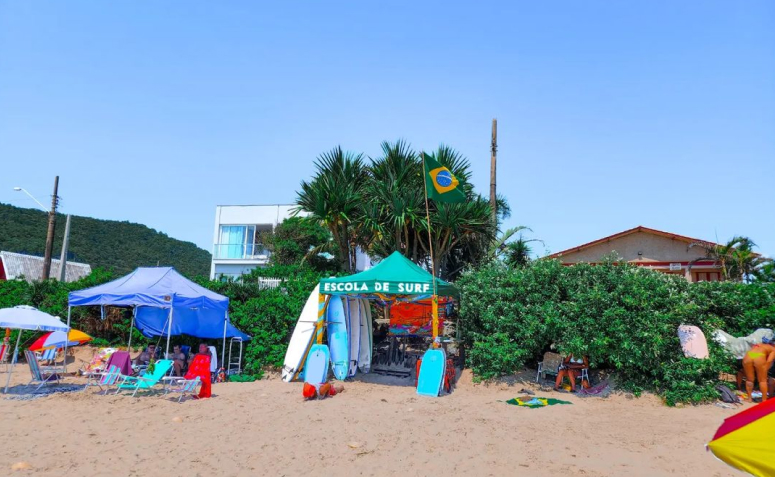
(164, 303)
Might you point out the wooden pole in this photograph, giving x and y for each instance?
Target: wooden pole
(434, 299)
(493, 161)
(52, 220)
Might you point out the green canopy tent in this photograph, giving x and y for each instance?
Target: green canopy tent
(395, 275)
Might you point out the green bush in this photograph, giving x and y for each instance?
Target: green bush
(623, 317)
(267, 315)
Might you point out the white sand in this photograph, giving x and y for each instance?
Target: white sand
(265, 428)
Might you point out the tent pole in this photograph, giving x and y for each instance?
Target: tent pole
(169, 327)
(223, 349)
(13, 363)
(67, 339)
(131, 325)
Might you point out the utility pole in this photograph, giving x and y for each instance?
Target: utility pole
(493, 161)
(63, 258)
(52, 222)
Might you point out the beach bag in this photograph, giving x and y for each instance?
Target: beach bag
(727, 395)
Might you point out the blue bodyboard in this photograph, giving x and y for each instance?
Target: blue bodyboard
(316, 366)
(338, 343)
(432, 370)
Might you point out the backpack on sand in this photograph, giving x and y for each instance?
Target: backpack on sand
(727, 395)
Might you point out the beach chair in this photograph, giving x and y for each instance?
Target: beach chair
(550, 365)
(98, 363)
(184, 386)
(40, 375)
(107, 378)
(47, 356)
(147, 380)
(4, 355)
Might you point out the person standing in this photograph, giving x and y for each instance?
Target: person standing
(756, 364)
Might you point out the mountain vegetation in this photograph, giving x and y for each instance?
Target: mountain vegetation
(109, 244)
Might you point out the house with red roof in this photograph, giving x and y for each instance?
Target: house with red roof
(650, 248)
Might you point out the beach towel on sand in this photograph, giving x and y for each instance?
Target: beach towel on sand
(120, 359)
(534, 402)
(200, 366)
(600, 390)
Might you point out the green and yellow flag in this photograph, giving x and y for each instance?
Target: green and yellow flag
(441, 184)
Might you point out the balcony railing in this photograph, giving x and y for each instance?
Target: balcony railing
(240, 251)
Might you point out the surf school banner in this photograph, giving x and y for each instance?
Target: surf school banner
(370, 287)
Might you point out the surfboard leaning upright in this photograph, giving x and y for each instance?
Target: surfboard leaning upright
(364, 357)
(302, 337)
(338, 344)
(354, 333)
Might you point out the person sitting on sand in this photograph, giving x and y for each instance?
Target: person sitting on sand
(145, 357)
(571, 367)
(178, 360)
(756, 364)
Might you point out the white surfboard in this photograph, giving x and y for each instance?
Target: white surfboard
(302, 337)
(364, 358)
(354, 332)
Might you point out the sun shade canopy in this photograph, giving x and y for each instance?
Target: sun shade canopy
(396, 275)
(157, 291)
(24, 317)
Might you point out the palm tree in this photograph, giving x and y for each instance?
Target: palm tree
(460, 233)
(766, 273)
(736, 258)
(514, 253)
(499, 245)
(381, 208)
(395, 201)
(334, 197)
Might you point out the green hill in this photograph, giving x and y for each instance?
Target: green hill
(117, 246)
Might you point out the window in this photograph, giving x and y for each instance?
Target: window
(236, 241)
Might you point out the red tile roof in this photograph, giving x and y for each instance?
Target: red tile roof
(639, 228)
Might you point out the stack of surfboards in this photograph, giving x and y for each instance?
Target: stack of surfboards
(348, 322)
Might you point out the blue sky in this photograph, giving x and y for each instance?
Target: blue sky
(611, 114)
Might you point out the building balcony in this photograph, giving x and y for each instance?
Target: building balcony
(241, 251)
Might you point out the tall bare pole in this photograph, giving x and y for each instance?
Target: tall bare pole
(493, 161)
(63, 259)
(52, 222)
(434, 298)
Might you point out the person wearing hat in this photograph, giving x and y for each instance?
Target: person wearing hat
(756, 364)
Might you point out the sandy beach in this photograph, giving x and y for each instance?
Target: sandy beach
(372, 428)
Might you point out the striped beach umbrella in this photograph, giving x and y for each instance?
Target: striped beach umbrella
(745, 440)
(56, 339)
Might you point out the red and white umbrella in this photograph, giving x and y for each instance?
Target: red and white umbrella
(56, 339)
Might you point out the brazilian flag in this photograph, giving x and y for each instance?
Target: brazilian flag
(441, 184)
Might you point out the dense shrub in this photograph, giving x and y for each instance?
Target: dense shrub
(623, 317)
(268, 315)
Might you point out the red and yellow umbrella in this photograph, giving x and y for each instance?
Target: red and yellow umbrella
(56, 339)
(745, 440)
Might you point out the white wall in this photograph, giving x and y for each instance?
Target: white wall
(232, 269)
(250, 215)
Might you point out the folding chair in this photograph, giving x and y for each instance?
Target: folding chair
(41, 375)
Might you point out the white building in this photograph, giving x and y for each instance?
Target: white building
(237, 247)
